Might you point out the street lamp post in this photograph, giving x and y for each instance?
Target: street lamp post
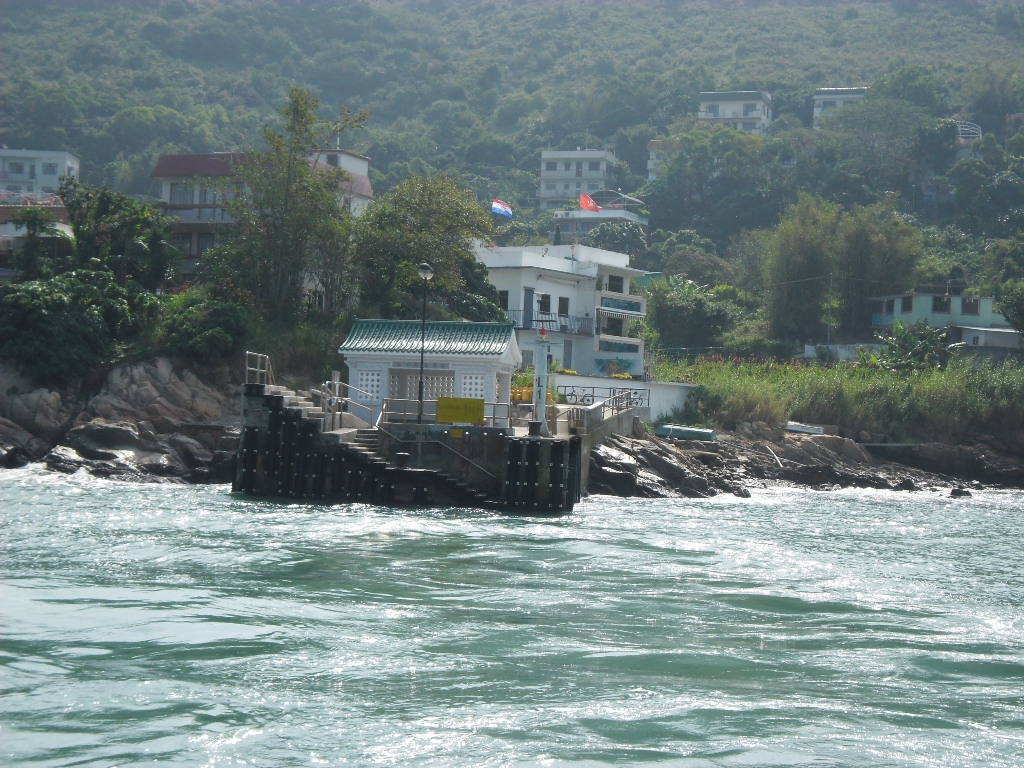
(426, 272)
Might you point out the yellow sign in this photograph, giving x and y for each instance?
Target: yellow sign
(460, 410)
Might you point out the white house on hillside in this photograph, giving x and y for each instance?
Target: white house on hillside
(827, 100)
(584, 298)
(35, 170)
(564, 174)
(190, 193)
(749, 111)
(972, 320)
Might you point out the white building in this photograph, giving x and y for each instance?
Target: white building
(458, 360)
(190, 192)
(827, 100)
(575, 225)
(749, 111)
(584, 298)
(659, 154)
(34, 171)
(564, 174)
(973, 320)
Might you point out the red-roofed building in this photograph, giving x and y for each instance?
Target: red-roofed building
(190, 192)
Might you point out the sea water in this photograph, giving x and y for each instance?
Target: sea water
(185, 626)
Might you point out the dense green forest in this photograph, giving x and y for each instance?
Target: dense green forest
(475, 87)
(758, 238)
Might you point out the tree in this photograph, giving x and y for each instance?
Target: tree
(798, 269)
(42, 245)
(290, 225)
(682, 314)
(619, 236)
(114, 233)
(423, 219)
(69, 325)
(876, 253)
(1010, 301)
(915, 347)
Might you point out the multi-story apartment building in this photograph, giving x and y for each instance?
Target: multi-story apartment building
(190, 192)
(827, 100)
(564, 174)
(749, 111)
(584, 298)
(32, 171)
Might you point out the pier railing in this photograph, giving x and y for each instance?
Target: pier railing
(424, 439)
(258, 369)
(336, 397)
(405, 410)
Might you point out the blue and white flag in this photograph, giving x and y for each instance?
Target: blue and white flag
(501, 208)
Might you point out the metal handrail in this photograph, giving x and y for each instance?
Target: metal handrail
(332, 400)
(495, 408)
(258, 369)
(576, 394)
(400, 441)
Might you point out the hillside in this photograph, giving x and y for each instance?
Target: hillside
(477, 88)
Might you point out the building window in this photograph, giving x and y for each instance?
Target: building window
(503, 299)
(941, 304)
(615, 283)
(579, 186)
(550, 186)
(906, 305)
(563, 305)
(567, 166)
(970, 306)
(975, 340)
(617, 346)
(551, 165)
(825, 105)
(207, 195)
(181, 194)
(890, 306)
(749, 109)
(204, 242)
(565, 187)
(183, 243)
(49, 169)
(13, 167)
(594, 165)
(749, 126)
(613, 326)
(712, 110)
(592, 186)
(543, 302)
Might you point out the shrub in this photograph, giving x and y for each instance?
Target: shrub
(197, 327)
(69, 326)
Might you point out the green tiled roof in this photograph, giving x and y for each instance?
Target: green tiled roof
(442, 338)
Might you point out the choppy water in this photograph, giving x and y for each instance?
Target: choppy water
(146, 625)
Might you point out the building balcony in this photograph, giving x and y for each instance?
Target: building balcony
(198, 214)
(552, 322)
(732, 114)
(622, 303)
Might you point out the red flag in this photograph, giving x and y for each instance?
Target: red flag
(587, 203)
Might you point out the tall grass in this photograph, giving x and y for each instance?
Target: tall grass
(969, 396)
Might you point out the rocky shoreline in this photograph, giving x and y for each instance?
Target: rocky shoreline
(151, 422)
(758, 455)
(148, 422)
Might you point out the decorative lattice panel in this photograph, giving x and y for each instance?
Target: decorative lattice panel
(473, 385)
(438, 386)
(369, 381)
